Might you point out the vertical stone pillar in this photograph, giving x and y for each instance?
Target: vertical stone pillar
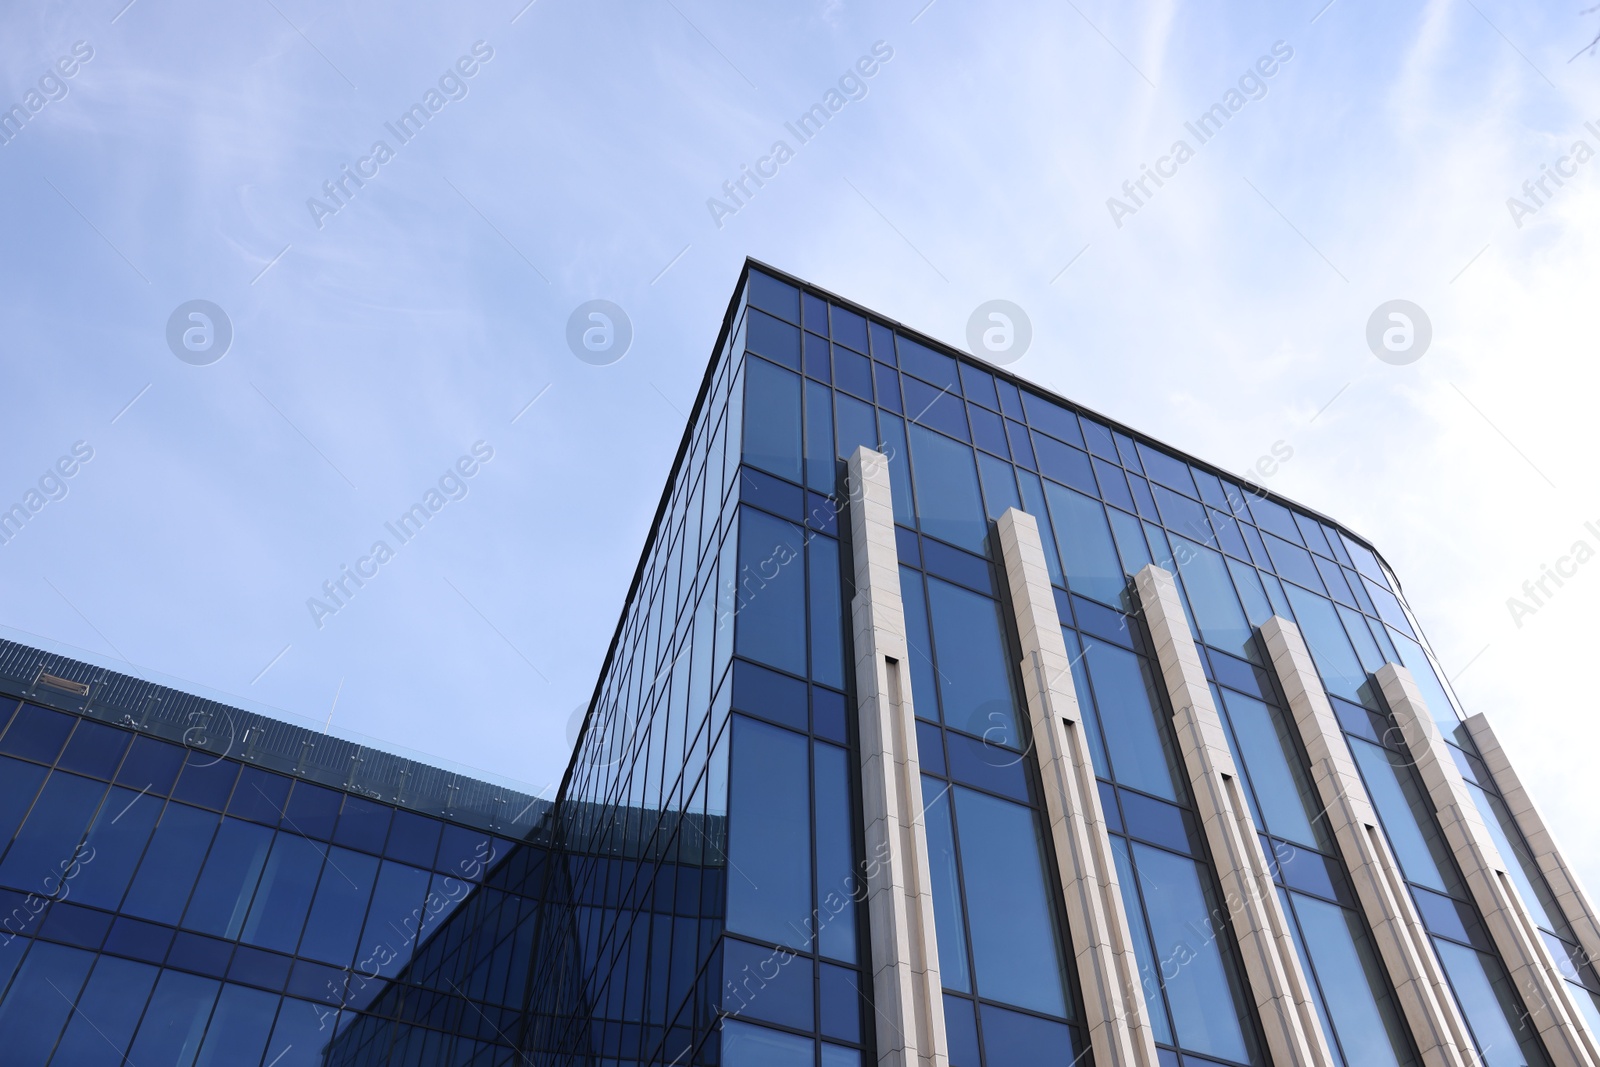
(1574, 902)
(1108, 971)
(907, 992)
(1425, 999)
(1516, 939)
(1272, 965)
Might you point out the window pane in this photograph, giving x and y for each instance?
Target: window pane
(1130, 713)
(44, 848)
(836, 878)
(1143, 951)
(772, 419)
(1488, 1007)
(947, 920)
(744, 1045)
(40, 1001)
(1352, 985)
(1212, 597)
(1011, 1038)
(340, 907)
(1016, 945)
(1087, 553)
(1273, 766)
(239, 1028)
(1342, 673)
(769, 834)
(770, 626)
(287, 883)
(1522, 867)
(974, 676)
(820, 468)
(175, 1020)
(1409, 827)
(222, 895)
(948, 503)
(392, 921)
(1196, 979)
(171, 863)
(827, 613)
(107, 1013)
(1439, 706)
(919, 648)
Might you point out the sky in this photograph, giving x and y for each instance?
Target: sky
(417, 318)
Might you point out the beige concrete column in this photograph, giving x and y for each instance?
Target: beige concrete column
(1272, 965)
(1521, 948)
(1425, 998)
(1574, 902)
(907, 992)
(1108, 972)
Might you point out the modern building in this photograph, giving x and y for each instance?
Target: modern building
(946, 723)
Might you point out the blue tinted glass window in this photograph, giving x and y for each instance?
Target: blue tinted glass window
(312, 810)
(1275, 518)
(116, 841)
(363, 824)
(1087, 553)
(1130, 713)
(1293, 563)
(771, 622)
(413, 839)
(763, 983)
(948, 923)
(988, 430)
(393, 920)
(1352, 985)
(37, 733)
(858, 426)
(1016, 946)
(1064, 464)
(814, 355)
(1010, 1037)
(820, 458)
(1489, 1007)
(1341, 672)
(1273, 766)
(1149, 971)
(919, 648)
(40, 1002)
(1408, 826)
(974, 672)
(999, 485)
(927, 364)
(45, 846)
(769, 833)
(745, 1045)
(888, 383)
(940, 409)
(769, 294)
(228, 880)
(1212, 598)
(175, 1020)
(108, 1012)
(1113, 484)
(239, 1028)
(814, 311)
(206, 781)
(287, 883)
(852, 373)
(1520, 864)
(1131, 545)
(19, 783)
(95, 749)
(961, 1032)
(767, 336)
(772, 423)
(1433, 694)
(1200, 994)
(894, 447)
(948, 502)
(836, 879)
(1021, 445)
(261, 796)
(827, 613)
(1033, 502)
(1052, 418)
(171, 862)
(979, 386)
(339, 907)
(1245, 579)
(151, 764)
(849, 328)
(1170, 472)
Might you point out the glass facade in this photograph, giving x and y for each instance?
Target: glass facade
(184, 882)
